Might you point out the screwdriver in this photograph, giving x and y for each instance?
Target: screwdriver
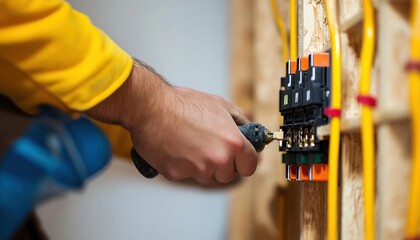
(257, 134)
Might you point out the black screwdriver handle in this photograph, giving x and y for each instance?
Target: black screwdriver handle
(142, 166)
(254, 132)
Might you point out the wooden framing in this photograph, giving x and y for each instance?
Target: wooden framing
(303, 205)
(394, 152)
(313, 36)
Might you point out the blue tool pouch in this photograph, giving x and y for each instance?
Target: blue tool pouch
(55, 154)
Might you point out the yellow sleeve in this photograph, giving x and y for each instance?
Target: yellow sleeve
(52, 54)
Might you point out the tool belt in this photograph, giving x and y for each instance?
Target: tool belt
(43, 156)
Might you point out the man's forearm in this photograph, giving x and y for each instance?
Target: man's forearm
(142, 92)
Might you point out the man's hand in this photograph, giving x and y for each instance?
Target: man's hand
(180, 132)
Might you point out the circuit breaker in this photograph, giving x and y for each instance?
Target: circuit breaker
(304, 95)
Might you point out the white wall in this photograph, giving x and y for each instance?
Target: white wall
(186, 41)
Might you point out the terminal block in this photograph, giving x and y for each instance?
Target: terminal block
(304, 94)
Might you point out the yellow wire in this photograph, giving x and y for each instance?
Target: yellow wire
(413, 218)
(368, 148)
(333, 154)
(293, 30)
(282, 29)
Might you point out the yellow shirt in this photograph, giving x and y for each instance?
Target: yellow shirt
(52, 54)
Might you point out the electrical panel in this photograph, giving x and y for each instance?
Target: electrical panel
(304, 95)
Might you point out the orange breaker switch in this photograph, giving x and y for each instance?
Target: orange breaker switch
(318, 172)
(292, 172)
(303, 173)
